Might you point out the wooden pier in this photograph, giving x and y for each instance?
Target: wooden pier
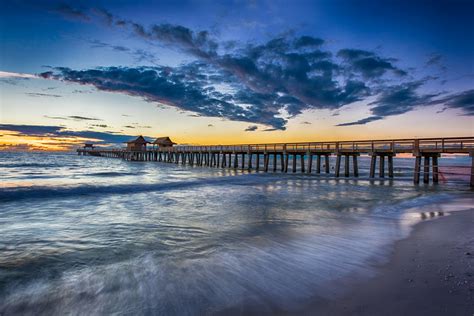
(309, 157)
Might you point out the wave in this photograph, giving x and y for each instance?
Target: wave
(112, 174)
(36, 192)
(29, 165)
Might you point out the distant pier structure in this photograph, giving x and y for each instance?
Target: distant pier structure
(305, 157)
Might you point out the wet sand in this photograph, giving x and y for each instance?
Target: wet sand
(431, 272)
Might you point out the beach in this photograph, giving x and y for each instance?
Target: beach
(431, 272)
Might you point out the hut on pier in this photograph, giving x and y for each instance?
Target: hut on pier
(163, 142)
(138, 144)
(88, 146)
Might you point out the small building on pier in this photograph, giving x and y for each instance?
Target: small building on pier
(88, 146)
(163, 142)
(138, 144)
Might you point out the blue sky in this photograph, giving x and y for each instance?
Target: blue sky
(248, 71)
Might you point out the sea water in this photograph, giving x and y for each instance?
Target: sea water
(91, 235)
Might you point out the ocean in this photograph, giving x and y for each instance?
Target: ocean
(88, 235)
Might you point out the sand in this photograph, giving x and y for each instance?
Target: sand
(431, 272)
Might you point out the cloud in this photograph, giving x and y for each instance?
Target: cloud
(61, 131)
(73, 117)
(396, 100)
(72, 13)
(362, 121)
(262, 83)
(251, 128)
(180, 87)
(6, 74)
(434, 59)
(139, 55)
(368, 64)
(404, 98)
(35, 94)
(306, 123)
(462, 100)
(210, 125)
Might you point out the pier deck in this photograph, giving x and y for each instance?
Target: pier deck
(313, 157)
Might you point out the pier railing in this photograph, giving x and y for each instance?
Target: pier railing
(441, 145)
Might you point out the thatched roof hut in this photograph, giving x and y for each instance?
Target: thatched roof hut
(163, 142)
(137, 144)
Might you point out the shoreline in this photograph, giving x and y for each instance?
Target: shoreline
(430, 272)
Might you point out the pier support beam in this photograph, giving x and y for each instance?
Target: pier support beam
(373, 163)
(347, 157)
(428, 159)
(274, 162)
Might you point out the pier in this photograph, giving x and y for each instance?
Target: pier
(308, 157)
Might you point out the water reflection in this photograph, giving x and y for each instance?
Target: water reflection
(143, 238)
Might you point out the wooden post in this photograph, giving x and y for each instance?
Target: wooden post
(249, 164)
(302, 163)
(318, 163)
(326, 161)
(338, 164)
(373, 160)
(274, 162)
(266, 160)
(224, 160)
(257, 161)
(310, 162)
(282, 162)
(382, 166)
(390, 166)
(243, 161)
(294, 162)
(435, 169)
(287, 158)
(355, 166)
(236, 160)
(426, 171)
(346, 166)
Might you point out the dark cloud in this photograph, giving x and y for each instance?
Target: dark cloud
(73, 117)
(362, 121)
(368, 64)
(251, 128)
(306, 123)
(210, 125)
(397, 100)
(183, 87)
(83, 118)
(265, 83)
(434, 59)
(400, 99)
(70, 12)
(463, 101)
(35, 94)
(139, 55)
(60, 131)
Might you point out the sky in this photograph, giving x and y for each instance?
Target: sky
(233, 72)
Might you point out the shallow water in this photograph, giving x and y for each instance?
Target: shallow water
(90, 235)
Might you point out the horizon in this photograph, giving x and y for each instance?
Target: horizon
(233, 72)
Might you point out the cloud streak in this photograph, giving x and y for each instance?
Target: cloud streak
(52, 131)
